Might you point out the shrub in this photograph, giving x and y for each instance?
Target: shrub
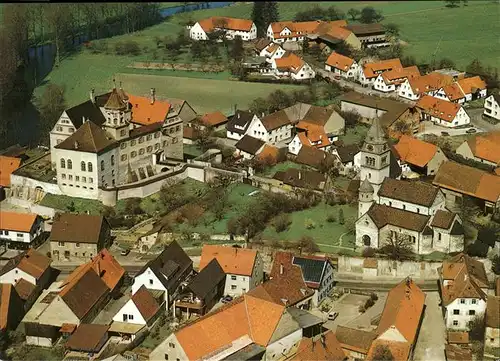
(128, 47)
(361, 308)
(373, 296)
(369, 303)
(309, 224)
(331, 218)
(368, 252)
(341, 216)
(281, 222)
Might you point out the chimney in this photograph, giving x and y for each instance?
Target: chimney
(281, 268)
(262, 114)
(76, 144)
(466, 277)
(92, 95)
(300, 174)
(152, 95)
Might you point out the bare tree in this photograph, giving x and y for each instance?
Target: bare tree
(382, 353)
(398, 247)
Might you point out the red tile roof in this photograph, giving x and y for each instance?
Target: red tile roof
(233, 260)
(213, 119)
(21, 222)
(453, 92)
(486, 147)
(145, 303)
(211, 23)
(429, 82)
(145, 113)
(326, 347)
(415, 151)
(398, 75)
(373, 69)
(289, 62)
(339, 61)
(441, 109)
(7, 166)
(471, 85)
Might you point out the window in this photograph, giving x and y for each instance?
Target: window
(455, 323)
(171, 345)
(439, 236)
(112, 160)
(70, 164)
(157, 146)
(157, 135)
(472, 312)
(82, 166)
(84, 179)
(166, 356)
(91, 180)
(102, 164)
(171, 130)
(233, 278)
(123, 145)
(141, 151)
(133, 154)
(89, 166)
(177, 128)
(233, 287)
(456, 312)
(71, 130)
(77, 178)
(149, 149)
(20, 235)
(462, 301)
(63, 163)
(130, 317)
(150, 282)
(132, 142)
(70, 177)
(473, 301)
(6, 233)
(149, 137)
(59, 128)
(60, 244)
(123, 157)
(63, 176)
(77, 245)
(141, 140)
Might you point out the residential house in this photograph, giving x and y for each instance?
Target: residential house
(430, 84)
(349, 156)
(452, 93)
(73, 301)
(370, 71)
(114, 139)
(190, 135)
(272, 129)
(315, 158)
(309, 135)
(463, 286)
(293, 67)
(415, 210)
(293, 179)
(284, 31)
(397, 329)
(415, 155)
(324, 347)
(370, 35)
(492, 331)
(326, 117)
(19, 230)
(202, 292)
(243, 267)
(270, 51)
(482, 148)
(78, 236)
(247, 327)
(214, 120)
(271, 155)
(231, 27)
(492, 106)
(442, 112)
(483, 187)
(391, 113)
(142, 308)
(473, 88)
(87, 340)
(11, 307)
(390, 80)
(29, 273)
(317, 273)
(238, 124)
(342, 65)
(165, 273)
(7, 166)
(330, 33)
(248, 147)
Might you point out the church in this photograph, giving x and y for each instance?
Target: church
(390, 208)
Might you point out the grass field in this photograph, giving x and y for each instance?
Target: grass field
(203, 94)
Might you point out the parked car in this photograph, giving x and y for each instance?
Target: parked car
(332, 316)
(125, 252)
(337, 77)
(445, 134)
(226, 299)
(471, 130)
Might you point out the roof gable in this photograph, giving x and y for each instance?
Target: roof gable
(383, 215)
(7, 166)
(145, 112)
(77, 228)
(21, 222)
(233, 260)
(145, 303)
(415, 151)
(88, 138)
(31, 261)
(439, 108)
(420, 193)
(249, 144)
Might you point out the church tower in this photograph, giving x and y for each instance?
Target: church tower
(118, 114)
(375, 157)
(365, 197)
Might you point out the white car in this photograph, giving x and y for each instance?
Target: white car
(332, 316)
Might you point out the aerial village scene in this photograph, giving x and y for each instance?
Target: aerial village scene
(250, 181)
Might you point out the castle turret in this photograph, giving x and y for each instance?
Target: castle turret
(365, 197)
(118, 114)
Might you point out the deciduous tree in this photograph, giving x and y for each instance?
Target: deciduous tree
(50, 105)
(353, 13)
(398, 247)
(369, 15)
(382, 353)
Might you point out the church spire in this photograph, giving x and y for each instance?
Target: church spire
(376, 134)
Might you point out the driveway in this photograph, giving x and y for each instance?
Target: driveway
(431, 128)
(347, 307)
(432, 337)
(476, 118)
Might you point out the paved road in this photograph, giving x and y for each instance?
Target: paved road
(432, 336)
(478, 121)
(383, 284)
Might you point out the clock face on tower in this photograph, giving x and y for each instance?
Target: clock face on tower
(369, 147)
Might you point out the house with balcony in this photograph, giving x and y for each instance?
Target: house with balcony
(19, 230)
(342, 65)
(492, 106)
(442, 112)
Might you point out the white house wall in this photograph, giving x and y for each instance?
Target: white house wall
(170, 347)
(406, 91)
(277, 349)
(236, 285)
(149, 280)
(463, 317)
(14, 275)
(491, 108)
(197, 33)
(129, 309)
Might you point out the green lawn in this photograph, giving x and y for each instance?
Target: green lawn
(269, 172)
(354, 135)
(204, 95)
(324, 233)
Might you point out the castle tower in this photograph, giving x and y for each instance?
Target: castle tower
(365, 197)
(118, 114)
(375, 157)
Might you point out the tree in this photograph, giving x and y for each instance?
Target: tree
(281, 222)
(307, 244)
(50, 105)
(351, 118)
(341, 216)
(237, 50)
(382, 353)
(353, 13)
(332, 13)
(369, 15)
(59, 18)
(446, 63)
(271, 12)
(398, 247)
(344, 49)
(392, 29)
(402, 127)
(259, 18)
(495, 264)
(465, 2)
(452, 3)
(476, 328)
(278, 100)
